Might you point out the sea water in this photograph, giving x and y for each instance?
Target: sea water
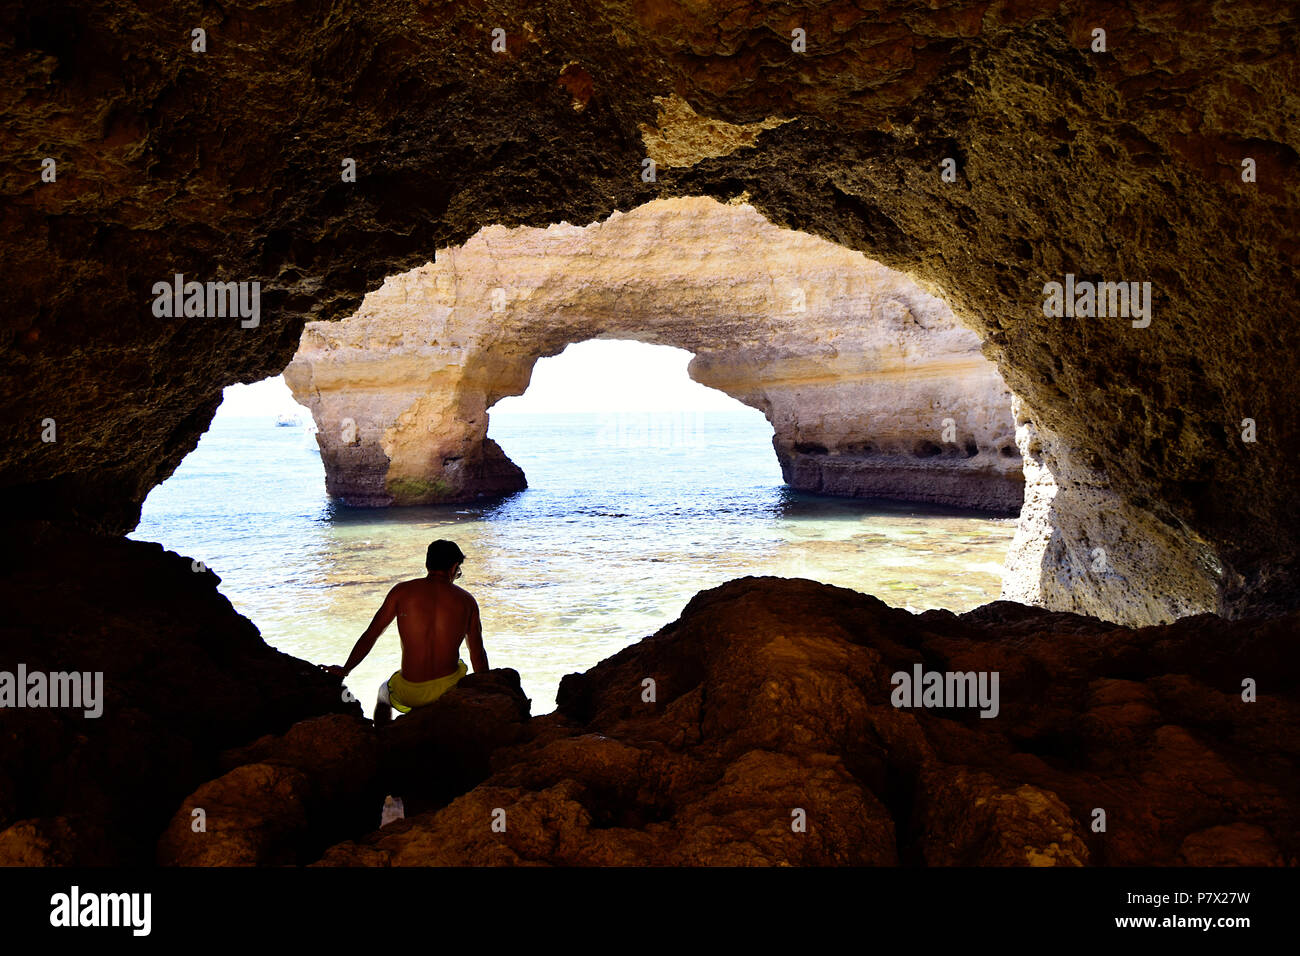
(623, 522)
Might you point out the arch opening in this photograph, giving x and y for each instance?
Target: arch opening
(647, 488)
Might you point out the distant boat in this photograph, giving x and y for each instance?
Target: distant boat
(288, 421)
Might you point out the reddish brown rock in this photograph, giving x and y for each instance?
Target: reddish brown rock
(254, 815)
(1237, 844)
(772, 706)
(54, 841)
(965, 818)
(286, 798)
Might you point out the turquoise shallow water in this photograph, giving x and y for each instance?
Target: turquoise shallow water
(627, 516)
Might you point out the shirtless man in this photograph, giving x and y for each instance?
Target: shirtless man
(433, 617)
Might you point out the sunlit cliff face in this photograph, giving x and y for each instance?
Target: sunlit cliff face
(871, 384)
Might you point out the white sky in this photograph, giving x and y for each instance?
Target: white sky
(616, 376)
(596, 376)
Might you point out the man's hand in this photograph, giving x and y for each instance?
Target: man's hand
(334, 670)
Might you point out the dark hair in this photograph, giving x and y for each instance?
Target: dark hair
(443, 556)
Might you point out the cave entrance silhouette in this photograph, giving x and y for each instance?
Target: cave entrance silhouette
(634, 507)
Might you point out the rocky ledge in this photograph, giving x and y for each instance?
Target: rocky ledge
(760, 728)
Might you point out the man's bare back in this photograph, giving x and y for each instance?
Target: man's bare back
(434, 617)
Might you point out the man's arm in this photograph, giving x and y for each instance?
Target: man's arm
(474, 638)
(383, 617)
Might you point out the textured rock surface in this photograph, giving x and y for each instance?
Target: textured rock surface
(285, 799)
(282, 799)
(184, 678)
(254, 815)
(774, 696)
(435, 754)
(770, 696)
(1079, 548)
(872, 386)
(1120, 165)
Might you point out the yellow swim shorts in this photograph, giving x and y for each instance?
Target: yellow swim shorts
(405, 695)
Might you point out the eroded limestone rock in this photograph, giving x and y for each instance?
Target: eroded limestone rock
(280, 798)
(284, 799)
(1080, 547)
(254, 815)
(872, 386)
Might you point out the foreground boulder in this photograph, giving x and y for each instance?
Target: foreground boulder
(254, 815)
(184, 677)
(436, 753)
(282, 798)
(285, 798)
(759, 729)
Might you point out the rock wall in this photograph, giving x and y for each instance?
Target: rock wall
(1079, 547)
(1170, 156)
(184, 677)
(872, 386)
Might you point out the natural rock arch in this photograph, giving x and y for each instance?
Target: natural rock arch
(872, 386)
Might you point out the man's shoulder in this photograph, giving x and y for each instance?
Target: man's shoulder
(469, 598)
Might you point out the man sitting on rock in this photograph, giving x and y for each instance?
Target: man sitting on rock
(433, 617)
